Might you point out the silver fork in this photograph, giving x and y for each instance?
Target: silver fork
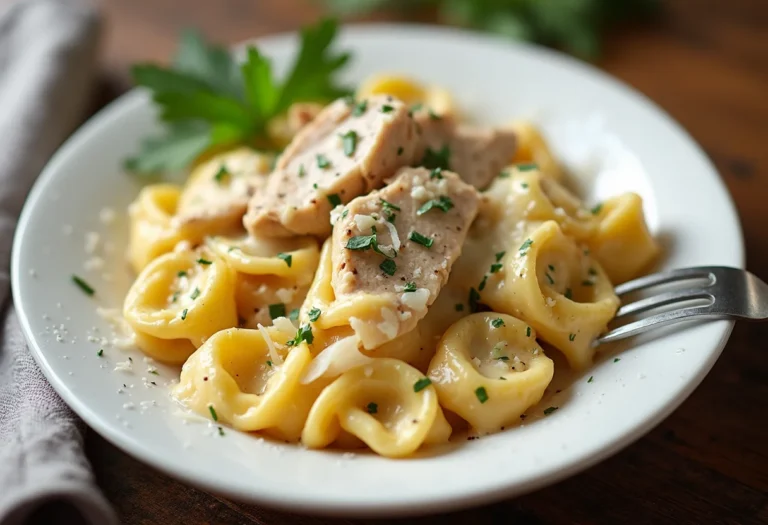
(731, 293)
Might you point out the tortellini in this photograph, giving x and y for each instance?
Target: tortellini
(387, 404)
(533, 148)
(409, 91)
(152, 230)
(489, 370)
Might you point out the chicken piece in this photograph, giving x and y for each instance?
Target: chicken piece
(476, 154)
(217, 192)
(394, 248)
(347, 150)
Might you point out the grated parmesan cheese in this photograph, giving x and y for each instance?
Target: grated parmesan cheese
(416, 300)
(276, 358)
(364, 222)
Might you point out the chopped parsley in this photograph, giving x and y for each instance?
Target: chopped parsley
(322, 161)
(549, 278)
(409, 287)
(221, 175)
(528, 331)
(294, 315)
(527, 167)
(84, 286)
(568, 293)
(204, 262)
(195, 293)
(399, 151)
(360, 108)
(474, 297)
(434, 116)
(269, 363)
(361, 242)
(416, 107)
(437, 173)
(418, 238)
(301, 171)
(443, 203)
(388, 266)
(175, 296)
(334, 199)
(181, 274)
(548, 411)
(349, 142)
(500, 256)
(459, 307)
(437, 159)
(495, 267)
(213, 412)
(504, 174)
(571, 337)
(184, 314)
(100, 352)
(481, 394)
(616, 360)
(287, 257)
(315, 186)
(276, 310)
(372, 408)
(481, 287)
(524, 185)
(304, 333)
(590, 379)
(525, 246)
(596, 209)
(421, 384)
(498, 322)
(154, 372)
(388, 205)
(386, 108)
(314, 314)
(221, 432)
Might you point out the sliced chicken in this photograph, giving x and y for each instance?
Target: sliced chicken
(216, 195)
(347, 150)
(398, 245)
(476, 154)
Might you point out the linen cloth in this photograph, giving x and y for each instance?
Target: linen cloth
(47, 59)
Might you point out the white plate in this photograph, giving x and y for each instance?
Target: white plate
(603, 130)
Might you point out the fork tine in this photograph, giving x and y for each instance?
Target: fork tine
(658, 320)
(663, 299)
(662, 278)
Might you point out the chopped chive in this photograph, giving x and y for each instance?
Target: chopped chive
(568, 293)
(349, 142)
(548, 411)
(527, 167)
(421, 384)
(459, 307)
(360, 108)
(388, 266)
(195, 293)
(388, 205)
(287, 257)
(481, 394)
(213, 412)
(372, 408)
(418, 238)
(443, 203)
(276, 310)
(386, 108)
(549, 278)
(528, 331)
(481, 287)
(571, 337)
(500, 256)
(474, 297)
(410, 287)
(301, 170)
(84, 286)
(221, 175)
(322, 161)
(314, 314)
(204, 262)
(184, 314)
(334, 199)
(596, 209)
(616, 360)
(294, 315)
(590, 379)
(269, 363)
(495, 267)
(100, 352)
(498, 322)
(525, 246)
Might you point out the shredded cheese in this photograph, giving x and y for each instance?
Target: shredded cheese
(276, 358)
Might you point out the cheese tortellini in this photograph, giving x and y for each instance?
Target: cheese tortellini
(431, 302)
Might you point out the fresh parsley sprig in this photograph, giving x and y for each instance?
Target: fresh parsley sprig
(207, 99)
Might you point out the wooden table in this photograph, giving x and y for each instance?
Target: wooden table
(706, 63)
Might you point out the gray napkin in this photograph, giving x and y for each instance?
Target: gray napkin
(47, 57)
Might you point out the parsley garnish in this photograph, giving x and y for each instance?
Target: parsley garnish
(221, 175)
(482, 283)
(399, 151)
(549, 278)
(500, 256)
(84, 286)
(221, 432)
(503, 174)
(276, 310)
(181, 274)
(443, 203)
(433, 115)
(474, 297)
(207, 98)
(314, 314)
(204, 262)
(568, 293)
(481, 394)
(100, 352)
(548, 411)
(436, 173)
(388, 205)
(498, 322)
(418, 238)
(551, 268)
(372, 408)
(409, 287)
(495, 267)
(587, 283)
(421, 384)
(616, 360)
(437, 159)
(590, 379)
(334, 199)
(596, 209)
(528, 331)
(195, 293)
(213, 412)
(349, 142)
(322, 161)
(571, 337)
(301, 171)
(361, 242)
(360, 108)
(386, 108)
(388, 266)
(524, 185)
(294, 315)
(287, 257)
(304, 333)
(184, 314)
(524, 247)
(526, 167)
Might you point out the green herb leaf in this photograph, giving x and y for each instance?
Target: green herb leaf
(294, 315)
(334, 199)
(496, 267)
(527, 167)
(213, 413)
(596, 210)
(524, 247)
(304, 333)
(287, 257)
(184, 314)
(568, 293)
(409, 287)
(528, 331)
(418, 238)
(100, 352)
(481, 394)
(222, 175)
(349, 142)
(437, 159)
(386, 108)
(84, 286)
(276, 310)
(388, 205)
(500, 256)
(498, 322)
(372, 408)
(195, 293)
(388, 266)
(421, 384)
(314, 314)
(590, 379)
(322, 161)
(474, 299)
(443, 203)
(204, 262)
(548, 411)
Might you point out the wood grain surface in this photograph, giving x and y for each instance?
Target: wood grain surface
(706, 63)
